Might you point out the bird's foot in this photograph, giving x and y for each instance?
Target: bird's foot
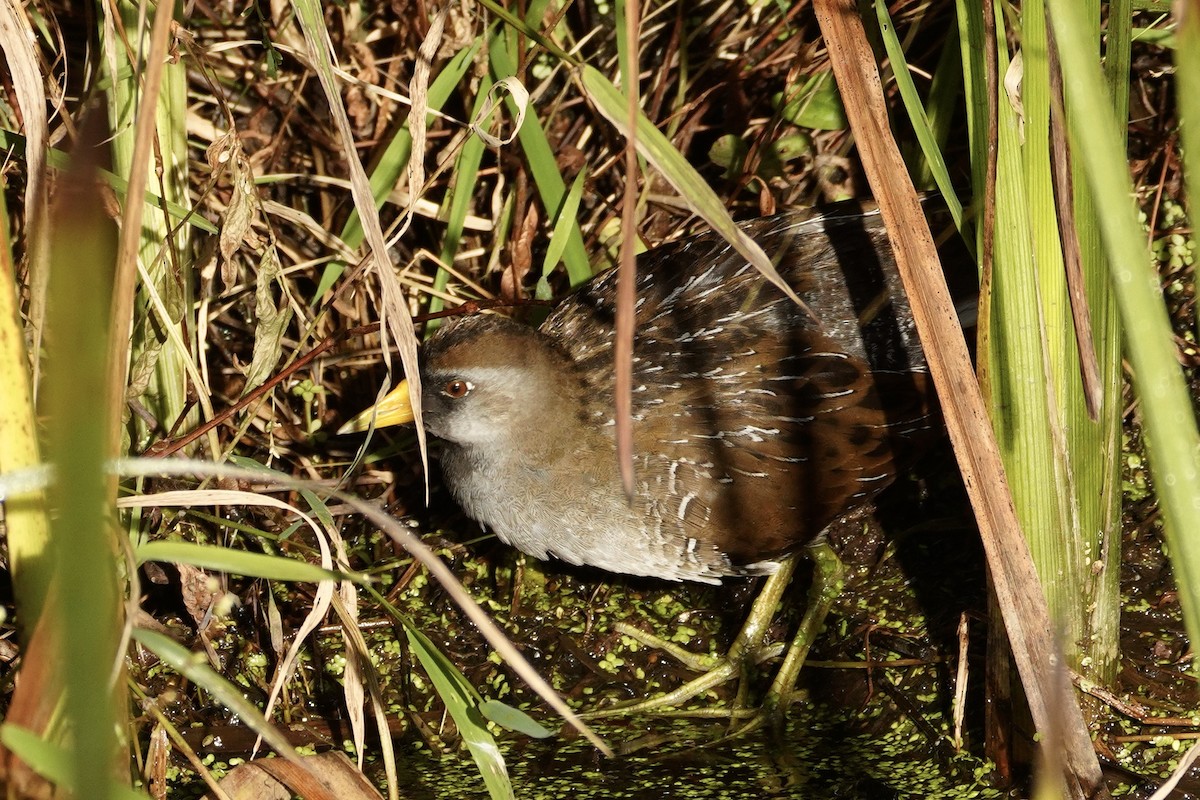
(714, 670)
(748, 650)
(829, 577)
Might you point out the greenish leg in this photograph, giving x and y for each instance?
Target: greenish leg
(747, 647)
(829, 577)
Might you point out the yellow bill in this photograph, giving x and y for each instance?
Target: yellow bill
(393, 409)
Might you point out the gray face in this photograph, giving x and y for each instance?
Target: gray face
(486, 380)
(472, 405)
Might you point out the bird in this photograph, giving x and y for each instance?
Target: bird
(757, 422)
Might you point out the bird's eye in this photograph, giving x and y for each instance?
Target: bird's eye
(457, 389)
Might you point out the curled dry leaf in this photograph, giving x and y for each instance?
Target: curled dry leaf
(271, 320)
(520, 96)
(522, 256)
(226, 154)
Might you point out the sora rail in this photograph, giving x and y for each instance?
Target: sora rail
(756, 423)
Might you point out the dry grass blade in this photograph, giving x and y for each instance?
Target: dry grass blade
(359, 676)
(627, 278)
(394, 315)
(16, 40)
(1081, 315)
(419, 94)
(125, 281)
(1025, 612)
